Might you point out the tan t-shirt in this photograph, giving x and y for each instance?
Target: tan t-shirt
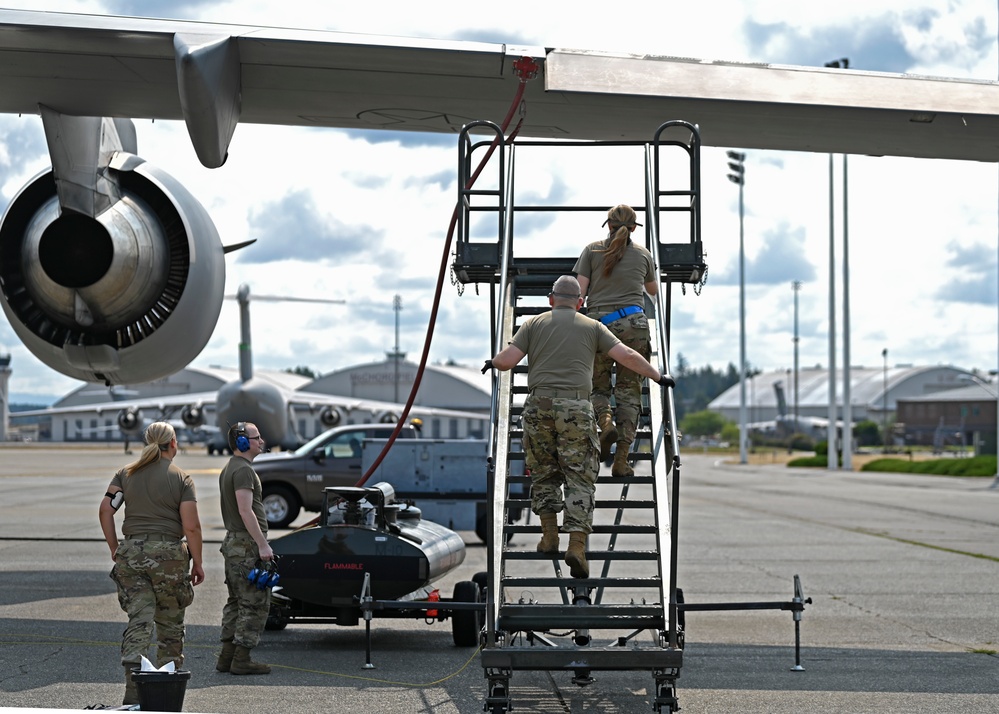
(560, 345)
(239, 474)
(153, 495)
(625, 285)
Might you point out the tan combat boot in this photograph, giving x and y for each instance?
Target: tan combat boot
(575, 555)
(242, 664)
(621, 466)
(225, 656)
(131, 691)
(608, 434)
(549, 533)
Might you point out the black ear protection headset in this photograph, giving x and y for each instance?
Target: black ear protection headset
(242, 442)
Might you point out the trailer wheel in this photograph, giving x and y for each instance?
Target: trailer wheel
(275, 622)
(466, 624)
(281, 506)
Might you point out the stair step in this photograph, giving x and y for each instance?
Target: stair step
(595, 617)
(615, 480)
(554, 582)
(590, 555)
(630, 529)
(631, 658)
(599, 503)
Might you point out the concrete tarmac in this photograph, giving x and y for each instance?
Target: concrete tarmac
(902, 570)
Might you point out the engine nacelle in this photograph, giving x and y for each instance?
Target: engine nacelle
(193, 415)
(386, 417)
(130, 296)
(330, 416)
(130, 420)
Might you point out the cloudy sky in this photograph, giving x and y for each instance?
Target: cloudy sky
(363, 216)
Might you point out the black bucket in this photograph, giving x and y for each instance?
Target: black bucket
(161, 691)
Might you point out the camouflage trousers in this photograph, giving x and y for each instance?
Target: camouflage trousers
(560, 440)
(633, 331)
(154, 589)
(245, 611)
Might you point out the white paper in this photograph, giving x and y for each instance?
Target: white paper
(147, 666)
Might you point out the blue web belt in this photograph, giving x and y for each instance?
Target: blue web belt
(618, 314)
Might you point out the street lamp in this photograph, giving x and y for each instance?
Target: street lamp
(790, 437)
(833, 463)
(796, 287)
(884, 406)
(737, 174)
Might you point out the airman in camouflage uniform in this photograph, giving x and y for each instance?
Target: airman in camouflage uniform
(245, 611)
(153, 586)
(614, 275)
(151, 563)
(632, 330)
(559, 427)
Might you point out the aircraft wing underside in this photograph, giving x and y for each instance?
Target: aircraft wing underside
(311, 401)
(162, 405)
(214, 76)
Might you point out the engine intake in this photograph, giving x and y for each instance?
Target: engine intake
(129, 296)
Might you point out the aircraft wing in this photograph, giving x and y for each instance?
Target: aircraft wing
(214, 76)
(163, 405)
(313, 401)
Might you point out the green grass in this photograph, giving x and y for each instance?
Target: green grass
(981, 466)
(975, 466)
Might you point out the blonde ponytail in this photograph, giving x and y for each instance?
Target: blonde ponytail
(158, 436)
(620, 221)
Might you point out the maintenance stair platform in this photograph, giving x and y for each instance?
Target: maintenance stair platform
(625, 615)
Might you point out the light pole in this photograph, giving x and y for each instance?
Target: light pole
(833, 461)
(796, 287)
(790, 437)
(396, 356)
(737, 174)
(884, 406)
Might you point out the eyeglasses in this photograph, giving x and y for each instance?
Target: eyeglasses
(257, 437)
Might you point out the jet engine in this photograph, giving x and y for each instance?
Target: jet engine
(128, 296)
(130, 420)
(330, 416)
(193, 415)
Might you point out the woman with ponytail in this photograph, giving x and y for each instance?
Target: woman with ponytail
(614, 274)
(152, 561)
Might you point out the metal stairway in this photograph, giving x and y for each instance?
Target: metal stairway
(625, 615)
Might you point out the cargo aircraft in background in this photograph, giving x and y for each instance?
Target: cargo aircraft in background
(112, 272)
(248, 398)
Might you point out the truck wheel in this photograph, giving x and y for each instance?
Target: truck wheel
(466, 624)
(281, 506)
